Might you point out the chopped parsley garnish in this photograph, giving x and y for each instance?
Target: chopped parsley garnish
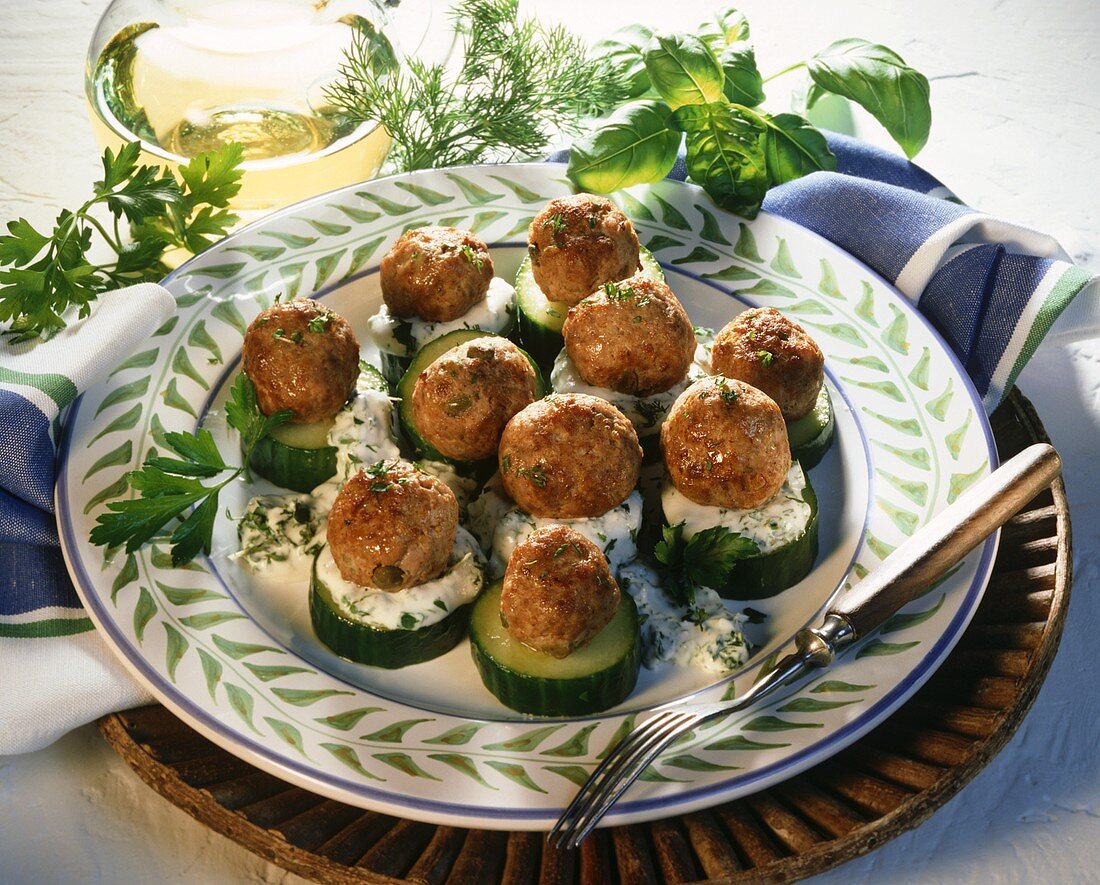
(319, 324)
(766, 357)
(729, 394)
(556, 223)
(703, 560)
(615, 292)
(470, 255)
(536, 474)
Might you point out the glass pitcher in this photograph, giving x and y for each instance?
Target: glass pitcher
(187, 76)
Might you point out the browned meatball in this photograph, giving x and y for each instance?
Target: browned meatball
(725, 444)
(435, 273)
(633, 336)
(462, 401)
(579, 243)
(774, 354)
(569, 456)
(558, 591)
(303, 357)
(392, 526)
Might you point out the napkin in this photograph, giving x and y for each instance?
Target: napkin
(992, 288)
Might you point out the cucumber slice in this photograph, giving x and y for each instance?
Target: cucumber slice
(424, 357)
(292, 466)
(765, 575)
(540, 320)
(375, 646)
(298, 456)
(812, 434)
(399, 339)
(589, 680)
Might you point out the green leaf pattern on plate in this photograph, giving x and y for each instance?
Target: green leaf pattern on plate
(926, 449)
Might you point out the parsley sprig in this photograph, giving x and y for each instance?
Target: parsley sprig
(703, 560)
(45, 277)
(170, 486)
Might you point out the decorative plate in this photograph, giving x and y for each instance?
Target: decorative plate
(236, 658)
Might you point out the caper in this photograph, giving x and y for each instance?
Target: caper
(459, 404)
(388, 577)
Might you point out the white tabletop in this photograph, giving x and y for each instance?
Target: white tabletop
(1016, 105)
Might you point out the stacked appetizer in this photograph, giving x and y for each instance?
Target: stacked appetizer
(574, 246)
(436, 280)
(398, 565)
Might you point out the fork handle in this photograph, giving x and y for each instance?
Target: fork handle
(945, 540)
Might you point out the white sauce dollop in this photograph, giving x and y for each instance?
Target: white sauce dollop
(405, 336)
(414, 607)
(773, 524)
(646, 413)
(707, 635)
(501, 526)
(280, 534)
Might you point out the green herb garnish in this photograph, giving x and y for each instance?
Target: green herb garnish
(517, 84)
(169, 487)
(536, 474)
(45, 277)
(471, 256)
(703, 89)
(703, 560)
(319, 324)
(766, 357)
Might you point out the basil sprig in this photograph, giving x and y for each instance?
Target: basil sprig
(703, 89)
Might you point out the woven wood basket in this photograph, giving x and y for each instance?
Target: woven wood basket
(886, 783)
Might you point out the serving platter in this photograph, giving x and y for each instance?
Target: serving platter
(235, 657)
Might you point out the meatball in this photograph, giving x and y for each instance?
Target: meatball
(303, 357)
(558, 591)
(569, 456)
(579, 243)
(774, 354)
(462, 401)
(634, 337)
(725, 444)
(392, 526)
(435, 273)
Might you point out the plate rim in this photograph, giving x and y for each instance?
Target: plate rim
(435, 811)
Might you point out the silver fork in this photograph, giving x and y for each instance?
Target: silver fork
(916, 564)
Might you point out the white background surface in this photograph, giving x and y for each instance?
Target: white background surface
(1016, 107)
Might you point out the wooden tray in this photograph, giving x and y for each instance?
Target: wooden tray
(886, 783)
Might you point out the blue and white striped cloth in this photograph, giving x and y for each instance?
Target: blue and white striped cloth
(993, 289)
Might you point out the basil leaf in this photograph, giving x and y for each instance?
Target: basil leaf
(725, 155)
(636, 145)
(726, 26)
(622, 53)
(878, 79)
(793, 148)
(683, 70)
(743, 83)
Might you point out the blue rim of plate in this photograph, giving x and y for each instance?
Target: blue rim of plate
(625, 811)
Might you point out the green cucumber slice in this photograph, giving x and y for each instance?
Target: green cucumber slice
(540, 320)
(589, 680)
(298, 456)
(294, 467)
(765, 575)
(812, 434)
(423, 358)
(377, 647)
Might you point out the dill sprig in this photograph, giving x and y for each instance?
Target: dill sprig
(519, 85)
